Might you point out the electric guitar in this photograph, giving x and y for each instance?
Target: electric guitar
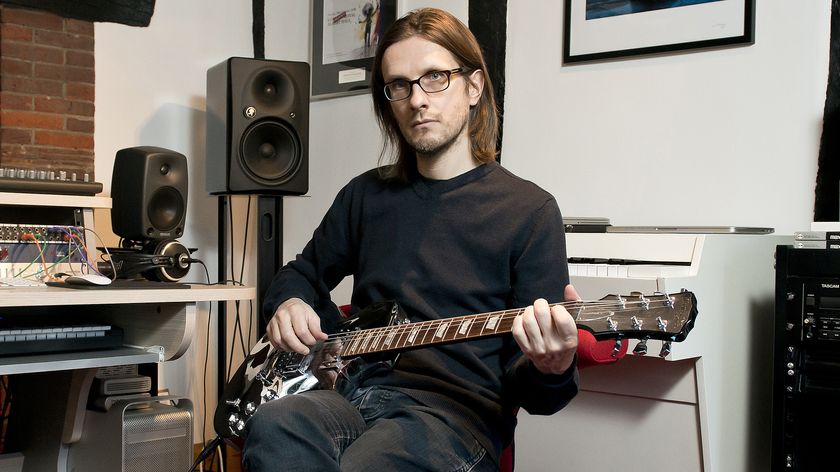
(268, 374)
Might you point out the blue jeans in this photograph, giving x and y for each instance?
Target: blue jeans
(377, 429)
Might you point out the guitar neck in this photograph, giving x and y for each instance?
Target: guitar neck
(663, 317)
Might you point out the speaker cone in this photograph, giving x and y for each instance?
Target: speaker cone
(271, 88)
(165, 210)
(270, 152)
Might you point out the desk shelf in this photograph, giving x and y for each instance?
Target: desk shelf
(50, 296)
(158, 324)
(76, 360)
(49, 200)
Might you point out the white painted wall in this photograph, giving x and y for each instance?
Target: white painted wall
(721, 137)
(715, 137)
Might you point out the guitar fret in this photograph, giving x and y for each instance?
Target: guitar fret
(475, 328)
(365, 341)
(426, 329)
(348, 341)
(401, 331)
(374, 345)
(354, 344)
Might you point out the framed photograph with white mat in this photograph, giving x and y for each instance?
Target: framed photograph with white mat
(604, 29)
(345, 34)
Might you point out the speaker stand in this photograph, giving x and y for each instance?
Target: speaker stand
(269, 249)
(221, 329)
(269, 261)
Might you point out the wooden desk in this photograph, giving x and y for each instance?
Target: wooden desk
(49, 406)
(158, 323)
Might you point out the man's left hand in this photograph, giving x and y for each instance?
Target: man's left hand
(548, 335)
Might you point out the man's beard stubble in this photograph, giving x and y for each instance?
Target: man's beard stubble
(424, 148)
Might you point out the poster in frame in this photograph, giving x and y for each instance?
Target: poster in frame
(606, 29)
(344, 39)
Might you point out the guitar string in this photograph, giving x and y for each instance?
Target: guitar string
(425, 327)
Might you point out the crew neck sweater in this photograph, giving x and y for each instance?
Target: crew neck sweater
(483, 241)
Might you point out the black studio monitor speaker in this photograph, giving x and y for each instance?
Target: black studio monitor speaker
(258, 127)
(149, 193)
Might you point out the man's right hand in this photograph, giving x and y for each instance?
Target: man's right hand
(294, 327)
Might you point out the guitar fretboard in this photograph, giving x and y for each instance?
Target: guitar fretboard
(424, 333)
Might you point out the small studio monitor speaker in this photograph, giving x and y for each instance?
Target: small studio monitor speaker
(258, 127)
(149, 193)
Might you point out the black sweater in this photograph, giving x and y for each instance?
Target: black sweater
(483, 241)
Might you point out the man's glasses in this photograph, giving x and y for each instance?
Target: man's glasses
(431, 82)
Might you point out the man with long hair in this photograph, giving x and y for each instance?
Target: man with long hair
(444, 230)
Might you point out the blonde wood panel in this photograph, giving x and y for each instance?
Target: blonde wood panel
(48, 200)
(168, 325)
(47, 296)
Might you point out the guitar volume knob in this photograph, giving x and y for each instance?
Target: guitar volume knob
(233, 419)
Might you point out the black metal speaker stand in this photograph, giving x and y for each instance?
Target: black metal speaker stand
(221, 329)
(269, 249)
(269, 260)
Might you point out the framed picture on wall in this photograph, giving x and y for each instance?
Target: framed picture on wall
(603, 29)
(345, 34)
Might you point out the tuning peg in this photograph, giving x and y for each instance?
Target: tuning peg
(616, 347)
(641, 348)
(666, 349)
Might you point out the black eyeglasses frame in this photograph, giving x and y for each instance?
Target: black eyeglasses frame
(457, 70)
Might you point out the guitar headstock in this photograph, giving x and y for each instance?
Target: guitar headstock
(637, 316)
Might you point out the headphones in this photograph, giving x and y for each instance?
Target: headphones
(162, 261)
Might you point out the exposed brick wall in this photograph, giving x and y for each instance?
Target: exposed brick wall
(46, 92)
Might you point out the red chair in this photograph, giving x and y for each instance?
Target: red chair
(590, 352)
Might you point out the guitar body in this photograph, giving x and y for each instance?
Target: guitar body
(268, 374)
